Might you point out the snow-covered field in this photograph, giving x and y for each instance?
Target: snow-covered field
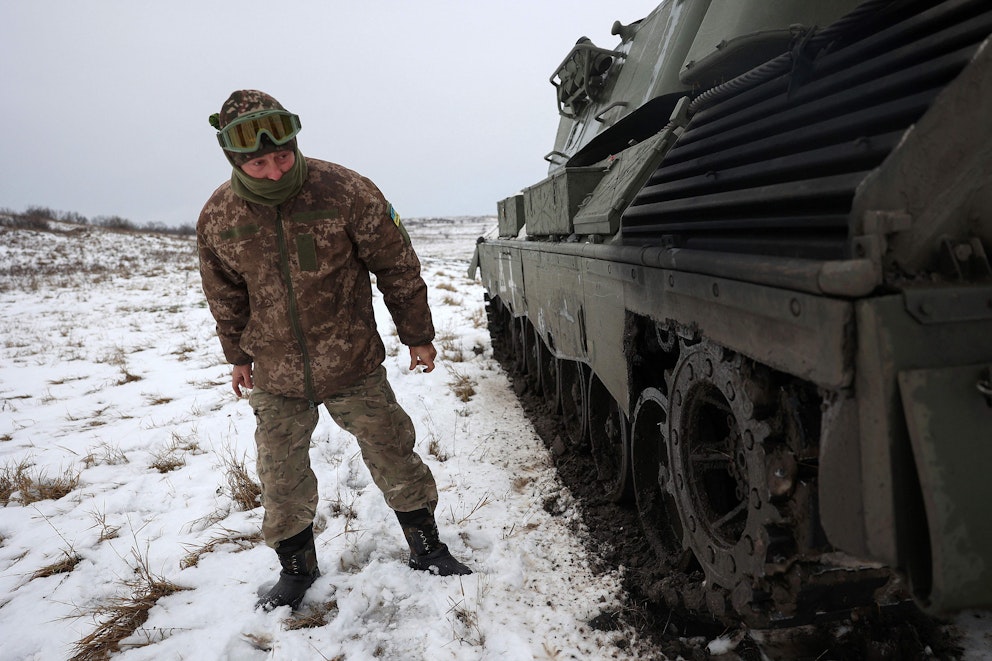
(115, 397)
(114, 390)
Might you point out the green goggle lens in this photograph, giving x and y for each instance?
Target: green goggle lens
(244, 135)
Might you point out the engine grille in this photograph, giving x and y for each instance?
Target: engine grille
(773, 171)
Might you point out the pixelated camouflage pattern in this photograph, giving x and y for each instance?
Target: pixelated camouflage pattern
(385, 435)
(289, 286)
(245, 101)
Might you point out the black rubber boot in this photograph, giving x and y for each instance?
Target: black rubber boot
(298, 558)
(427, 553)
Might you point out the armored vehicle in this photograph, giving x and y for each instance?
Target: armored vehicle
(755, 287)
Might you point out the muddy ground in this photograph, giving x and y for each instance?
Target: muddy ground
(614, 539)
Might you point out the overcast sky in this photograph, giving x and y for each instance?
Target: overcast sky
(445, 104)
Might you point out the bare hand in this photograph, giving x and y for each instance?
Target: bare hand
(241, 378)
(423, 355)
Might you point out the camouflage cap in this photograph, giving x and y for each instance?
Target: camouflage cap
(243, 102)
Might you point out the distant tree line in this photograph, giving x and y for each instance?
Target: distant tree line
(38, 218)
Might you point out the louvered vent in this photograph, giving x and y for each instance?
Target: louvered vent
(771, 172)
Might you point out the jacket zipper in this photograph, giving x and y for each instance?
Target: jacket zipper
(294, 317)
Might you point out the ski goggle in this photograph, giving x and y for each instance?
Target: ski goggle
(244, 134)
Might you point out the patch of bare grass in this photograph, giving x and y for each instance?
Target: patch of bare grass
(63, 566)
(435, 450)
(186, 443)
(122, 617)
(478, 318)
(118, 359)
(186, 350)
(312, 617)
(241, 486)
(241, 542)
(208, 520)
(465, 626)
(459, 520)
(462, 385)
(340, 508)
(167, 460)
(107, 531)
(448, 345)
(173, 456)
(19, 484)
(105, 453)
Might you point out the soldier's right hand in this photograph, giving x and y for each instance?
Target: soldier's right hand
(241, 378)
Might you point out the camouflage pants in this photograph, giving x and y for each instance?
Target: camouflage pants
(369, 411)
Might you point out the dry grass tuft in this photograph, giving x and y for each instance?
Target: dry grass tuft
(173, 456)
(105, 453)
(127, 377)
(243, 542)
(435, 450)
(107, 531)
(10, 477)
(482, 502)
(186, 350)
(347, 510)
(17, 484)
(479, 318)
(447, 286)
(63, 566)
(167, 460)
(118, 359)
(313, 617)
(123, 616)
(186, 443)
(465, 623)
(243, 489)
(462, 385)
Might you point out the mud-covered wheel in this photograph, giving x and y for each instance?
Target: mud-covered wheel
(518, 346)
(609, 440)
(499, 320)
(652, 476)
(532, 359)
(721, 421)
(548, 369)
(573, 391)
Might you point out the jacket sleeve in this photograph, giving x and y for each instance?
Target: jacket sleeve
(385, 248)
(227, 298)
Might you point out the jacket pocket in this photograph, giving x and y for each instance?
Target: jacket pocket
(306, 252)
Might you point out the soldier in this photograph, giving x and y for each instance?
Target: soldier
(286, 248)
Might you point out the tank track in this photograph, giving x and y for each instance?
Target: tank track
(727, 514)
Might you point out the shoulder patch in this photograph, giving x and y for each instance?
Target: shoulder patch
(395, 217)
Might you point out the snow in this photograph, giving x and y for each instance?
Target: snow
(109, 364)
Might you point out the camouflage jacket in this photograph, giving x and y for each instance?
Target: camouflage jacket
(289, 286)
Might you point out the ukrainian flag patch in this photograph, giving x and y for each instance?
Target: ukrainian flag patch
(395, 217)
